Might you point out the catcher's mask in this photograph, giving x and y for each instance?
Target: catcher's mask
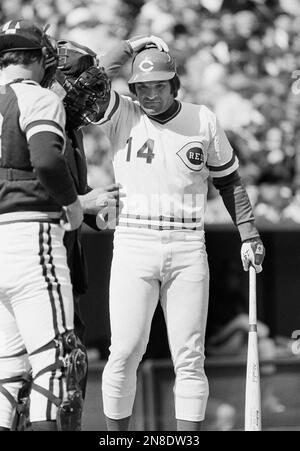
(86, 87)
(20, 35)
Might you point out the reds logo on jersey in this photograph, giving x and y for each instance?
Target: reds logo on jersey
(192, 155)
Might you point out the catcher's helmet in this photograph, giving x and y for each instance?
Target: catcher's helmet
(152, 64)
(21, 35)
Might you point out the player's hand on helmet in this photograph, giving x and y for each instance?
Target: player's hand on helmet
(137, 43)
(72, 216)
(253, 253)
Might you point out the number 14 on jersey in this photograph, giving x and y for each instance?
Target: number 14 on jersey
(146, 151)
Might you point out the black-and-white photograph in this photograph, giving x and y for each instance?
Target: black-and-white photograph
(149, 218)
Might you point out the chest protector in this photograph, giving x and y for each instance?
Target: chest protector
(14, 154)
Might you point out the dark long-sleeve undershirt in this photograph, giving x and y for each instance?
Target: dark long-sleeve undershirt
(50, 166)
(237, 203)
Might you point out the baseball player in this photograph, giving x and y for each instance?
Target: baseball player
(163, 152)
(38, 202)
(83, 81)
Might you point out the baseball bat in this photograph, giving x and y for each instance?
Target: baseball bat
(253, 395)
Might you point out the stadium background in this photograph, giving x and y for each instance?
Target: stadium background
(240, 58)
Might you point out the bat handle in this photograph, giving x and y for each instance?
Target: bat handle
(252, 298)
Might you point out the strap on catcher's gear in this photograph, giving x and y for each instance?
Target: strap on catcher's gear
(74, 368)
(5, 392)
(21, 405)
(86, 97)
(21, 419)
(50, 59)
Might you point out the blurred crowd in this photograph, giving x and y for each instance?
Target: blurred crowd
(239, 57)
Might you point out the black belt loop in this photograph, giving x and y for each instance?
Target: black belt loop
(10, 175)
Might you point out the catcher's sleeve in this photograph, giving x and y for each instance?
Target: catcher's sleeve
(51, 167)
(237, 203)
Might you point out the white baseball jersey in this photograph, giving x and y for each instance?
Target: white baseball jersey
(164, 166)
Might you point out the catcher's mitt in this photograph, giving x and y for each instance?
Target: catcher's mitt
(86, 96)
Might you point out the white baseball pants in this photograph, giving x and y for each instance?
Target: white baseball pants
(149, 265)
(36, 305)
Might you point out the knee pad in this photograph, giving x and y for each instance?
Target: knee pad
(21, 418)
(70, 411)
(75, 360)
(73, 365)
(21, 405)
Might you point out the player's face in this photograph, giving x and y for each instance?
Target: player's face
(154, 96)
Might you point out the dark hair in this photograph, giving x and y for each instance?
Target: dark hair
(174, 82)
(22, 57)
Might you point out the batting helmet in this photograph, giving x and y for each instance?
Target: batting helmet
(152, 64)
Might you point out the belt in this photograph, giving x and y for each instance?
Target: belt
(12, 174)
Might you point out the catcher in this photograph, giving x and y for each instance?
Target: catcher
(25, 42)
(38, 202)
